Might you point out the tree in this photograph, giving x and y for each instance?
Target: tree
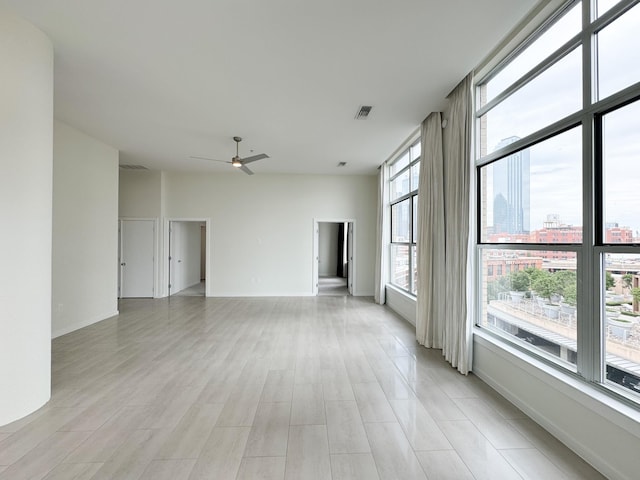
(520, 281)
(534, 273)
(610, 282)
(570, 294)
(495, 288)
(566, 280)
(635, 293)
(546, 285)
(627, 281)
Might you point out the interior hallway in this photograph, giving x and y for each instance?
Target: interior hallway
(295, 388)
(333, 286)
(197, 290)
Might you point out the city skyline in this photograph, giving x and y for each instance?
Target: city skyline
(511, 197)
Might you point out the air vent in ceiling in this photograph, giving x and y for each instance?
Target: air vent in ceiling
(133, 167)
(363, 112)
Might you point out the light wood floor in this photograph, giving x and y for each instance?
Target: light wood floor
(276, 388)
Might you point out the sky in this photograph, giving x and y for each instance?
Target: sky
(556, 184)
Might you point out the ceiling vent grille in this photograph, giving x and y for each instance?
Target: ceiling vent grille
(133, 167)
(363, 112)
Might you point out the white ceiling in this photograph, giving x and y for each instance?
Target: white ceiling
(162, 80)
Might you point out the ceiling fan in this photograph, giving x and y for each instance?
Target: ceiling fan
(238, 162)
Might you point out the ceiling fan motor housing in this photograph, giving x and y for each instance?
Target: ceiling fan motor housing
(239, 162)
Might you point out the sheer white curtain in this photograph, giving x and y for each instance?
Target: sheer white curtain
(382, 229)
(457, 185)
(430, 316)
(443, 209)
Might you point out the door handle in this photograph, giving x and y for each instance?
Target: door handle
(122, 264)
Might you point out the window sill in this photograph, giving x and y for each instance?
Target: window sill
(401, 291)
(401, 302)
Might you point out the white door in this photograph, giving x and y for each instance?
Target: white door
(316, 257)
(350, 258)
(137, 238)
(175, 258)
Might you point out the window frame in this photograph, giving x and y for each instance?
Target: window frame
(413, 193)
(590, 262)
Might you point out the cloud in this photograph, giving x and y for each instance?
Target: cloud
(549, 169)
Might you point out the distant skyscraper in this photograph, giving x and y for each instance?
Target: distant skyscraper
(511, 179)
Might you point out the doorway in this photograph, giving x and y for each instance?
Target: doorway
(187, 258)
(334, 266)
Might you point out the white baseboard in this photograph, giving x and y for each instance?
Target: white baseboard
(297, 294)
(77, 326)
(258, 295)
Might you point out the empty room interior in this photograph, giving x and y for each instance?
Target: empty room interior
(320, 240)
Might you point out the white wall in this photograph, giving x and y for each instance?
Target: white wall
(85, 230)
(140, 194)
(327, 249)
(262, 226)
(26, 136)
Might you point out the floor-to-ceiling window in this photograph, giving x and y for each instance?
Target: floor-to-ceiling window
(403, 198)
(558, 176)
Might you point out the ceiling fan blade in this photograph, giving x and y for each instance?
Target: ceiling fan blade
(254, 158)
(211, 159)
(246, 170)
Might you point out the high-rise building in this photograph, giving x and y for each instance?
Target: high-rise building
(511, 179)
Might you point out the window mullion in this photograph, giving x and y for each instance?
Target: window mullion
(589, 350)
(588, 334)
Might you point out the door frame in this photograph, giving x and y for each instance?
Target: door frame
(156, 251)
(316, 252)
(167, 253)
